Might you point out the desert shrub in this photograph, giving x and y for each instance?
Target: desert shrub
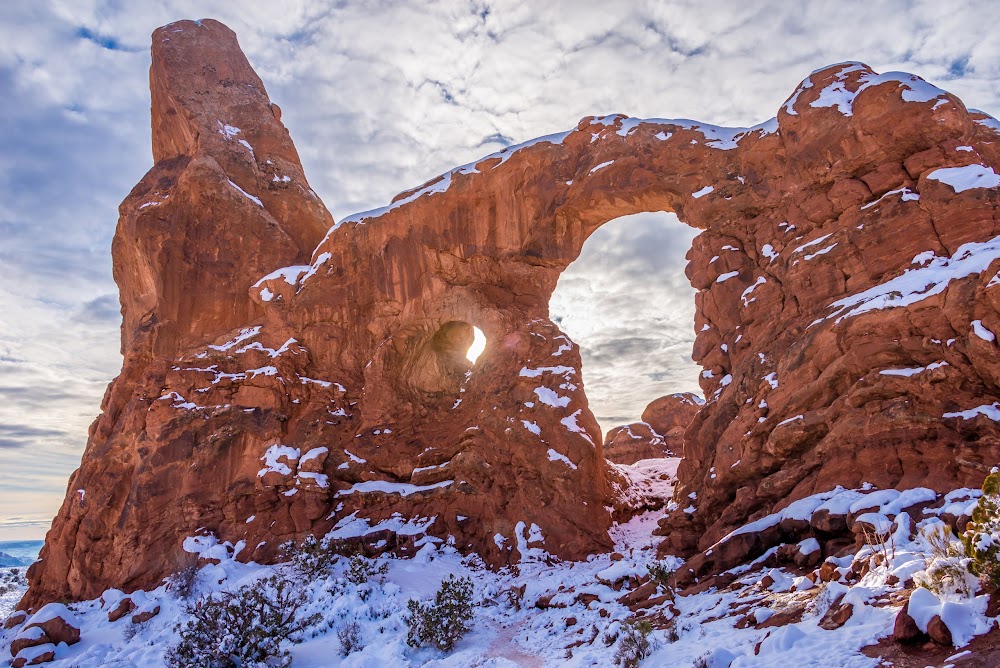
(183, 582)
(982, 535)
(634, 644)
(314, 557)
(444, 621)
(349, 635)
(242, 629)
(664, 576)
(946, 572)
(360, 570)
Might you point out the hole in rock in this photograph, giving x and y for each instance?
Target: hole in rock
(628, 305)
(478, 345)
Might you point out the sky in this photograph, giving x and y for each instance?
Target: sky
(380, 96)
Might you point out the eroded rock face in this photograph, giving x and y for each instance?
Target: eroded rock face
(659, 434)
(262, 404)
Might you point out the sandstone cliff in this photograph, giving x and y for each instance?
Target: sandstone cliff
(278, 383)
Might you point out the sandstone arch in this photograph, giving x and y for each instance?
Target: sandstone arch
(318, 399)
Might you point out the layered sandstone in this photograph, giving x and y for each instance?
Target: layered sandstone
(845, 315)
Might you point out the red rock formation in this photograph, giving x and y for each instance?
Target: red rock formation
(337, 394)
(659, 434)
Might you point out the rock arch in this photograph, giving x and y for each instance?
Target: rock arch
(318, 399)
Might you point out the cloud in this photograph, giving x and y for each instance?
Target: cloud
(383, 95)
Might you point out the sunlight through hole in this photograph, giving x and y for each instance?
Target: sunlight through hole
(478, 345)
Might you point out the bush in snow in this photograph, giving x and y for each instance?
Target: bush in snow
(982, 535)
(664, 576)
(947, 570)
(349, 636)
(361, 570)
(443, 622)
(242, 629)
(634, 644)
(315, 557)
(183, 582)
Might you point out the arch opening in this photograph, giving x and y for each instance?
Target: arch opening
(478, 345)
(629, 306)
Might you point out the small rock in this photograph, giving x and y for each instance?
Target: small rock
(124, 607)
(33, 656)
(145, 614)
(939, 631)
(570, 621)
(905, 628)
(836, 616)
(15, 619)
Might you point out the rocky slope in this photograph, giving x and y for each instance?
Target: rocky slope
(846, 306)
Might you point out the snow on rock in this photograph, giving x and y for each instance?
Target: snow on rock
(272, 460)
(966, 178)
(559, 457)
(992, 411)
(704, 191)
(964, 618)
(979, 330)
(916, 285)
(385, 487)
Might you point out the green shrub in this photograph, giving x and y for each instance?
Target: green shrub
(982, 535)
(634, 644)
(361, 570)
(443, 622)
(314, 557)
(947, 570)
(664, 576)
(242, 629)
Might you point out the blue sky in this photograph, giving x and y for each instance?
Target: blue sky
(380, 96)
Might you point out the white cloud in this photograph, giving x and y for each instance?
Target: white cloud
(380, 96)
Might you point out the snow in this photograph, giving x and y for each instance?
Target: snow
(767, 250)
(717, 137)
(965, 619)
(812, 243)
(506, 634)
(916, 285)
(905, 195)
(54, 611)
(914, 89)
(315, 453)
(246, 333)
(912, 371)
(532, 427)
(966, 178)
(441, 183)
(704, 191)
(982, 332)
(746, 293)
(992, 411)
(385, 487)
(824, 251)
(726, 276)
(559, 457)
(571, 425)
(250, 197)
(289, 274)
(558, 370)
(601, 166)
(550, 398)
(272, 456)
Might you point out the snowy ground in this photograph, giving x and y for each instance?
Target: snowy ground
(568, 615)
